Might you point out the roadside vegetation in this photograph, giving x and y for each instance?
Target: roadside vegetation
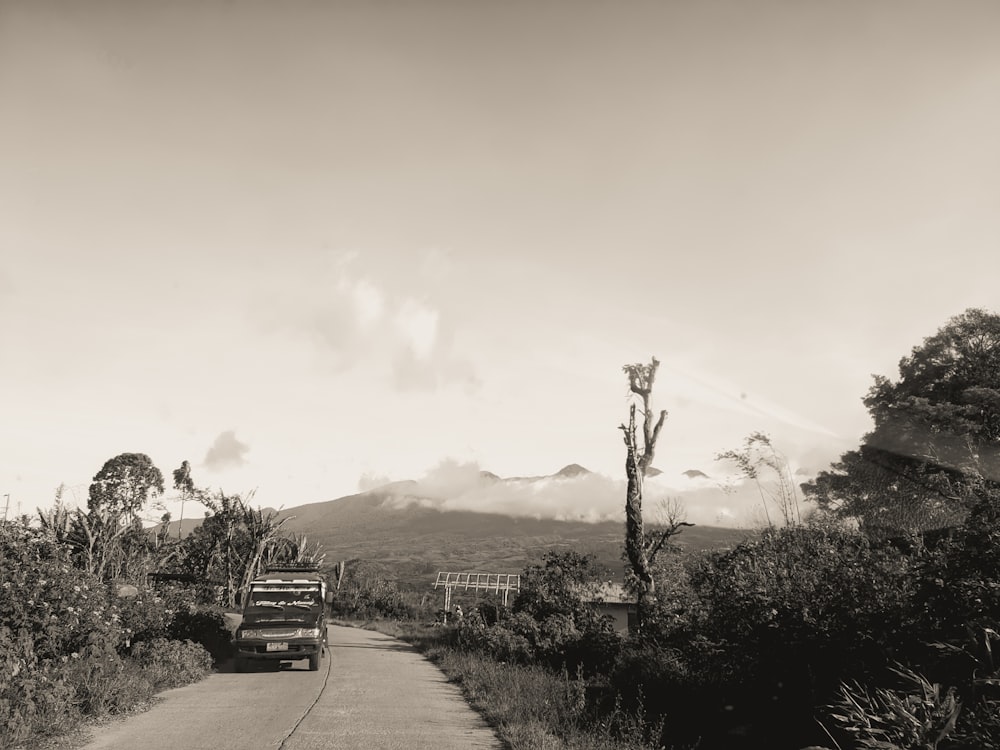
(809, 636)
(99, 613)
(863, 615)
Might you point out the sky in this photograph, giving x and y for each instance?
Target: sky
(312, 247)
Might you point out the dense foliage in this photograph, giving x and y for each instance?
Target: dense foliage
(70, 649)
(871, 623)
(368, 592)
(936, 434)
(793, 636)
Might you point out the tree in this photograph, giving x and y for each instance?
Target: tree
(641, 548)
(184, 483)
(109, 537)
(236, 542)
(936, 434)
(124, 484)
(565, 583)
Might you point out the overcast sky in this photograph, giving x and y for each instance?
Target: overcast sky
(307, 245)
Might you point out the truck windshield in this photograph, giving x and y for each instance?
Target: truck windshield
(274, 596)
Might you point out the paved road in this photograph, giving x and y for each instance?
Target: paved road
(372, 691)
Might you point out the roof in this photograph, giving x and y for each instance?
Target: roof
(289, 577)
(608, 592)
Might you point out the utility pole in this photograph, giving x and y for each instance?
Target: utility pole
(6, 506)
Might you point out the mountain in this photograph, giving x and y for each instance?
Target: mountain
(572, 470)
(695, 474)
(418, 541)
(414, 533)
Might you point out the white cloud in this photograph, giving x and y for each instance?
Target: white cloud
(369, 302)
(589, 497)
(359, 322)
(370, 481)
(418, 327)
(225, 452)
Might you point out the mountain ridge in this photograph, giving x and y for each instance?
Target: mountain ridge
(413, 536)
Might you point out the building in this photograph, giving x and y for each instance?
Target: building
(612, 599)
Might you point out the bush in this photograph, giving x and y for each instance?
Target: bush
(172, 663)
(145, 616)
(34, 697)
(63, 608)
(369, 595)
(497, 641)
(104, 683)
(63, 638)
(916, 716)
(961, 583)
(206, 628)
(799, 600)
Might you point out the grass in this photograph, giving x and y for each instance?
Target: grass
(530, 707)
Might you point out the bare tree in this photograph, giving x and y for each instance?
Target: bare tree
(641, 548)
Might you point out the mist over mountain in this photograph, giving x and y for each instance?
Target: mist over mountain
(460, 517)
(415, 529)
(574, 493)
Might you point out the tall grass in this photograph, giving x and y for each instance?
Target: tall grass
(531, 707)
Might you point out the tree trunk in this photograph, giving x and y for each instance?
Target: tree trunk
(637, 464)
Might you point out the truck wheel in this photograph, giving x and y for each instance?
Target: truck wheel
(314, 661)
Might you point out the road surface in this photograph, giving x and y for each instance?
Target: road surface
(371, 691)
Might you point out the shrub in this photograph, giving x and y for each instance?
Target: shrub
(560, 586)
(145, 616)
(34, 697)
(104, 683)
(172, 663)
(204, 627)
(497, 641)
(961, 583)
(369, 595)
(799, 600)
(43, 594)
(63, 637)
(917, 716)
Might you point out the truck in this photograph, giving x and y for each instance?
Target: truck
(284, 617)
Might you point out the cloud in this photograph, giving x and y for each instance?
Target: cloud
(370, 481)
(588, 497)
(359, 322)
(417, 326)
(226, 452)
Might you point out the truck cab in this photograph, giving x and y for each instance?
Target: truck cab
(284, 617)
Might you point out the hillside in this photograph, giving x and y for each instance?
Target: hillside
(414, 536)
(419, 541)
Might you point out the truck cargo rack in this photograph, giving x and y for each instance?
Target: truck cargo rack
(300, 567)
